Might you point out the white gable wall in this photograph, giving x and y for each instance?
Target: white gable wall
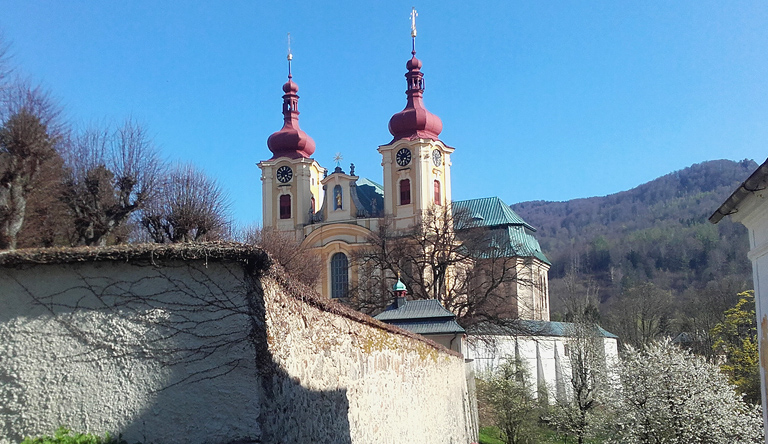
(753, 213)
(545, 357)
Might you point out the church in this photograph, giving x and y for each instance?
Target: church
(336, 213)
(339, 215)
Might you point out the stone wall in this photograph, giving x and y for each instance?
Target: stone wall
(174, 346)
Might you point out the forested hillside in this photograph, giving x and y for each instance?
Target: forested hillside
(607, 248)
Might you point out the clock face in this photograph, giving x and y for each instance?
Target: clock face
(437, 158)
(284, 174)
(403, 157)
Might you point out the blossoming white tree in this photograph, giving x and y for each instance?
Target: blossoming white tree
(669, 395)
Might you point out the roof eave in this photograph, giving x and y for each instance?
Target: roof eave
(757, 181)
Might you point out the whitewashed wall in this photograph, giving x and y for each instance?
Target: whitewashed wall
(545, 357)
(113, 347)
(194, 352)
(753, 213)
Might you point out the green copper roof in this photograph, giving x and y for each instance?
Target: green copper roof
(371, 196)
(536, 328)
(509, 236)
(486, 212)
(427, 328)
(399, 286)
(420, 309)
(365, 181)
(524, 244)
(423, 316)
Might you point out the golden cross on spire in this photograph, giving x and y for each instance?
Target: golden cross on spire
(414, 14)
(290, 56)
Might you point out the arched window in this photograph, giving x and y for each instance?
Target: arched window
(405, 192)
(285, 206)
(312, 204)
(438, 200)
(339, 275)
(337, 197)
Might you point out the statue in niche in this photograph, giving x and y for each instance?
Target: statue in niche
(337, 197)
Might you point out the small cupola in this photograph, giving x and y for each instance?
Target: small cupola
(414, 121)
(399, 289)
(291, 141)
(400, 292)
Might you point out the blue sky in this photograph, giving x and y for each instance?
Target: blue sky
(542, 100)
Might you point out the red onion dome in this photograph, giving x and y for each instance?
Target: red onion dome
(412, 64)
(291, 141)
(414, 121)
(290, 87)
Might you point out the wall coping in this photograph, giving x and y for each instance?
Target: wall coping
(259, 260)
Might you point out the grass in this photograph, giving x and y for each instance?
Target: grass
(490, 435)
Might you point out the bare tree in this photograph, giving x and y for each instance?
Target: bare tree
(580, 406)
(471, 270)
(5, 64)
(641, 314)
(579, 296)
(582, 409)
(29, 134)
(703, 309)
(190, 207)
(48, 221)
(110, 175)
(301, 263)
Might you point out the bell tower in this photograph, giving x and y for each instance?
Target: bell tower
(290, 180)
(417, 165)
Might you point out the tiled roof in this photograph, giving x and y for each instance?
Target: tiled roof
(487, 212)
(424, 316)
(412, 310)
(524, 244)
(430, 327)
(371, 196)
(535, 328)
(510, 234)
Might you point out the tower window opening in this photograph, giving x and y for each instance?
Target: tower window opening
(339, 275)
(405, 191)
(312, 204)
(438, 194)
(285, 206)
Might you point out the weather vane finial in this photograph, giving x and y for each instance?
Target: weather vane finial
(414, 14)
(290, 56)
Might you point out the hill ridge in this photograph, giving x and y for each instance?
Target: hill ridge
(655, 232)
